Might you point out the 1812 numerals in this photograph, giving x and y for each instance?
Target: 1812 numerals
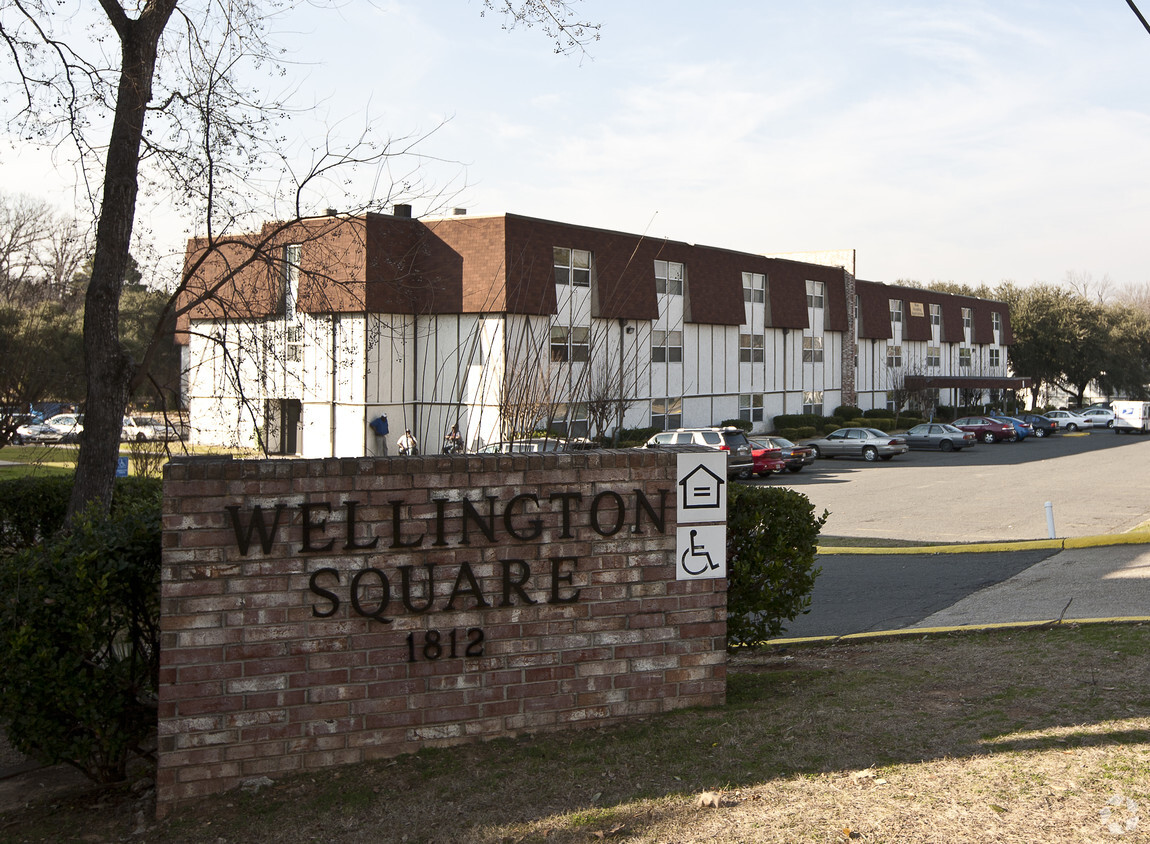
(436, 645)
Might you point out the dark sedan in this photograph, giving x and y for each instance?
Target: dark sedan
(794, 456)
(1043, 425)
(987, 429)
(939, 436)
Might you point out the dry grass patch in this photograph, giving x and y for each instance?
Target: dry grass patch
(1034, 736)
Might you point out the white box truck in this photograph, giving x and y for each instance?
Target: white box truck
(1131, 416)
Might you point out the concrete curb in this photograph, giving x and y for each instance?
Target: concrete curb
(1138, 536)
(920, 632)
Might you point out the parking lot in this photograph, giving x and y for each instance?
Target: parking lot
(1098, 482)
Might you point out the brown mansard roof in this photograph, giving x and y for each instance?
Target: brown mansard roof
(504, 264)
(874, 314)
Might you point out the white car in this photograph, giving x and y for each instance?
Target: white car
(1102, 417)
(134, 429)
(1069, 420)
(157, 429)
(66, 428)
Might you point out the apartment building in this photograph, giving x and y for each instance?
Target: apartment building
(301, 337)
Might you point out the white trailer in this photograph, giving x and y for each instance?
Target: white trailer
(1132, 416)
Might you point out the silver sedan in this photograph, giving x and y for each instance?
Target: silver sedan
(938, 435)
(868, 443)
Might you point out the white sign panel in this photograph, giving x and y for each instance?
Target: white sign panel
(701, 491)
(701, 510)
(702, 552)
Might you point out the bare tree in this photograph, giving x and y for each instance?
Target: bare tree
(176, 103)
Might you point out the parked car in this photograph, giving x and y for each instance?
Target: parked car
(1070, 420)
(794, 456)
(29, 429)
(740, 462)
(524, 446)
(61, 428)
(940, 436)
(1043, 426)
(987, 429)
(869, 443)
(157, 430)
(1102, 417)
(766, 459)
(1022, 428)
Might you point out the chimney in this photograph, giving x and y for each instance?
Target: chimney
(459, 212)
(402, 211)
(331, 212)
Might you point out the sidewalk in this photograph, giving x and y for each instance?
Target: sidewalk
(1079, 584)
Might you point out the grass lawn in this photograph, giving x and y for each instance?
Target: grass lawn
(1015, 736)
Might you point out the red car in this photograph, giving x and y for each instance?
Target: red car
(766, 460)
(987, 429)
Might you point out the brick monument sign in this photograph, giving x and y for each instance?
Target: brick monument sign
(323, 612)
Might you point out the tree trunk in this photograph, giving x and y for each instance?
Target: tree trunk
(108, 367)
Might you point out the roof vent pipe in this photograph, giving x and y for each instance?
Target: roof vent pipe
(402, 211)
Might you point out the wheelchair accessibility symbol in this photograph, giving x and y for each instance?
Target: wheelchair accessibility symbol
(702, 552)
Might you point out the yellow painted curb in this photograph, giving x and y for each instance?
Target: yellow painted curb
(1136, 537)
(906, 632)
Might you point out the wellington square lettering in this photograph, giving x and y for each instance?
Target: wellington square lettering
(381, 591)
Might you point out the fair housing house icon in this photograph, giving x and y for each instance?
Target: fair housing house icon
(701, 488)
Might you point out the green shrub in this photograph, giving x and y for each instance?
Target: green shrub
(798, 420)
(885, 425)
(32, 508)
(742, 424)
(637, 435)
(848, 411)
(878, 413)
(79, 640)
(805, 433)
(771, 537)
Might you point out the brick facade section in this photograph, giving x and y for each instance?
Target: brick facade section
(259, 677)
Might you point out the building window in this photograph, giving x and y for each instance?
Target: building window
(891, 404)
(933, 356)
(894, 356)
(751, 408)
(996, 321)
(895, 310)
(754, 287)
(667, 346)
(812, 349)
(815, 294)
(293, 337)
(570, 420)
(995, 356)
(666, 413)
(964, 358)
(572, 266)
(966, 318)
(570, 344)
(669, 277)
(289, 282)
(813, 402)
(751, 348)
(936, 314)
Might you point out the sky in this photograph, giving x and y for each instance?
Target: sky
(950, 140)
